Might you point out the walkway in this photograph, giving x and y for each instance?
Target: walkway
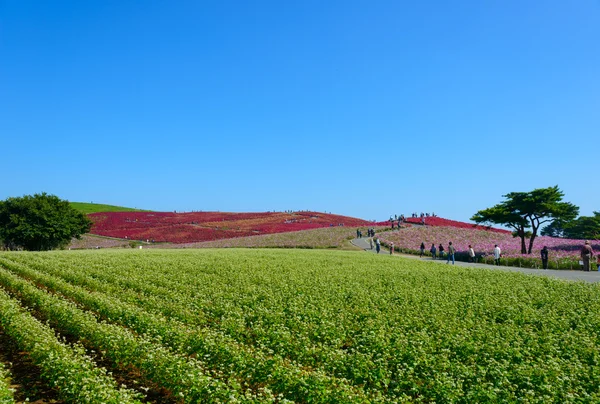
(593, 276)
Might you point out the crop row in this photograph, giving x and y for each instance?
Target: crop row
(184, 377)
(68, 369)
(6, 393)
(227, 357)
(397, 329)
(253, 326)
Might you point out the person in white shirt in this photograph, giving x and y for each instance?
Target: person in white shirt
(471, 253)
(497, 254)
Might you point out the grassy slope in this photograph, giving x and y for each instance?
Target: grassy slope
(327, 237)
(96, 207)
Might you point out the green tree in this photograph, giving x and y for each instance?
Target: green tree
(40, 222)
(522, 211)
(554, 229)
(584, 227)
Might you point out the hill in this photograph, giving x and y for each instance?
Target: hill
(88, 208)
(436, 221)
(206, 226)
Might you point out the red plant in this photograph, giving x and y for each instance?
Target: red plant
(206, 226)
(441, 222)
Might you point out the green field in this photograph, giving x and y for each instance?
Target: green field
(97, 207)
(227, 325)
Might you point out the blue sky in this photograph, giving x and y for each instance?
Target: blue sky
(359, 108)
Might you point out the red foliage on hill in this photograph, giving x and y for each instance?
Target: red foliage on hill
(441, 222)
(205, 226)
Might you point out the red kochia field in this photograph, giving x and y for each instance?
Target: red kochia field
(206, 226)
(441, 222)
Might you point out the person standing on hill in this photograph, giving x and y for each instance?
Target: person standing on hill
(471, 254)
(497, 254)
(451, 251)
(586, 254)
(422, 248)
(544, 254)
(432, 251)
(441, 251)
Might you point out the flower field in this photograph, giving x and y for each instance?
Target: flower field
(207, 226)
(441, 222)
(564, 253)
(239, 325)
(328, 237)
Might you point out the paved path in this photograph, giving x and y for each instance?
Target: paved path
(593, 276)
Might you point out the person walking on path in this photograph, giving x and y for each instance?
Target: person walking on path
(451, 251)
(441, 251)
(586, 254)
(432, 251)
(377, 245)
(497, 254)
(371, 242)
(471, 254)
(544, 254)
(422, 248)
(392, 249)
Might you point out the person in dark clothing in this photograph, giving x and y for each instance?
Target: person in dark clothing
(544, 254)
(441, 251)
(586, 254)
(451, 251)
(432, 250)
(422, 248)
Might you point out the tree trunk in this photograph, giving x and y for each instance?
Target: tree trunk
(535, 225)
(521, 234)
(531, 243)
(531, 239)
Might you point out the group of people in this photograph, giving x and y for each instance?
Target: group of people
(586, 253)
(422, 215)
(370, 233)
(435, 251)
(377, 243)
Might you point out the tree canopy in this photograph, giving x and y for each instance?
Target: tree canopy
(525, 212)
(40, 222)
(584, 227)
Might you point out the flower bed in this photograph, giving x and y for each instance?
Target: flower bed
(441, 222)
(206, 226)
(564, 253)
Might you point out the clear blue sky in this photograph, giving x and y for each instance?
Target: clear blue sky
(362, 108)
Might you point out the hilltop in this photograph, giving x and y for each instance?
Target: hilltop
(88, 208)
